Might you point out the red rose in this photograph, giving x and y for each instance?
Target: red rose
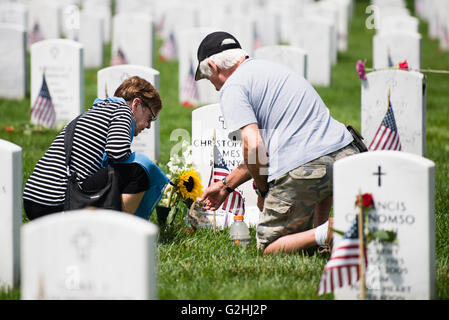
(187, 230)
(403, 65)
(366, 199)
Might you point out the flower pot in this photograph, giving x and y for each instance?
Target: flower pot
(162, 214)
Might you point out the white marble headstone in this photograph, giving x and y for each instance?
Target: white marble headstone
(13, 61)
(109, 79)
(62, 62)
(47, 14)
(11, 213)
(103, 12)
(291, 56)
(314, 35)
(91, 37)
(14, 13)
(188, 42)
(89, 255)
(399, 23)
(267, 28)
(390, 48)
(403, 190)
(242, 27)
(330, 13)
(408, 100)
(204, 121)
(133, 33)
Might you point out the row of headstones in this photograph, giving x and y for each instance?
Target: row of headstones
(436, 13)
(321, 30)
(409, 111)
(86, 254)
(397, 35)
(61, 62)
(133, 37)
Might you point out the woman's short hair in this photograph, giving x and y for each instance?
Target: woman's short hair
(136, 87)
(224, 60)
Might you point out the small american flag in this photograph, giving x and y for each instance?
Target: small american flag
(168, 49)
(390, 61)
(343, 266)
(234, 203)
(189, 89)
(386, 137)
(119, 58)
(35, 35)
(257, 40)
(43, 111)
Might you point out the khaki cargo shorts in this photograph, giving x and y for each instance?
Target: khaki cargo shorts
(291, 200)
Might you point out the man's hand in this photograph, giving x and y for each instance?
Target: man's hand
(214, 196)
(260, 203)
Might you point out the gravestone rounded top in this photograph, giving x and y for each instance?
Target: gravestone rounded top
(60, 42)
(113, 219)
(206, 108)
(12, 27)
(9, 146)
(129, 68)
(395, 72)
(400, 157)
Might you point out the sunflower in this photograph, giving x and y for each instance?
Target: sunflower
(190, 185)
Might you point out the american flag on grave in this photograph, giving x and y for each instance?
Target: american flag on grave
(189, 89)
(234, 203)
(119, 58)
(390, 61)
(168, 49)
(387, 136)
(343, 267)
(43, 111)
(257, 39)
(35, 35)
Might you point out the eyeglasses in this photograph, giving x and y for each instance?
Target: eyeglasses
(153, 117)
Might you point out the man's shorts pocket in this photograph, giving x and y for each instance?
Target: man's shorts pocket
(274, 204)
(309, 171)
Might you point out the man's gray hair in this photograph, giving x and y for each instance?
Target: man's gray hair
(224, 60)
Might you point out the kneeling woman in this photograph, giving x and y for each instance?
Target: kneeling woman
(105, 131)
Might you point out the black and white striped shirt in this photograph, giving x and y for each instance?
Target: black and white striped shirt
(106, 127)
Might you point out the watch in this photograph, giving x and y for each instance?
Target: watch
(228, 189)
(260, 193)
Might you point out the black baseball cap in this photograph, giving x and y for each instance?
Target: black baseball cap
(211, 45)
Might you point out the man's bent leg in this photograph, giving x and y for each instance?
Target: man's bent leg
(292, 242)
(322, 210)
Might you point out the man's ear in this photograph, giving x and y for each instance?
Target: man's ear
(213, 66)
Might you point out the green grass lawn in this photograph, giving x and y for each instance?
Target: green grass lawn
(204, 265)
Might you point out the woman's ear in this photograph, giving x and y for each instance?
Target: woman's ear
(134, 103)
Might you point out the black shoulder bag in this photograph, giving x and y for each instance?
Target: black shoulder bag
(108, 197)
(358, 139)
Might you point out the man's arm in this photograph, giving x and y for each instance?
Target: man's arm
(214, 196)
(255, 155)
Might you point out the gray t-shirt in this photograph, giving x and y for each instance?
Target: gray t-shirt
(295, 124)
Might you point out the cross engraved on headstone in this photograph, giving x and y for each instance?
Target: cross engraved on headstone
(379, 173)
(82, 241)
(221, 119)
(125, 75)
(54, 51)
